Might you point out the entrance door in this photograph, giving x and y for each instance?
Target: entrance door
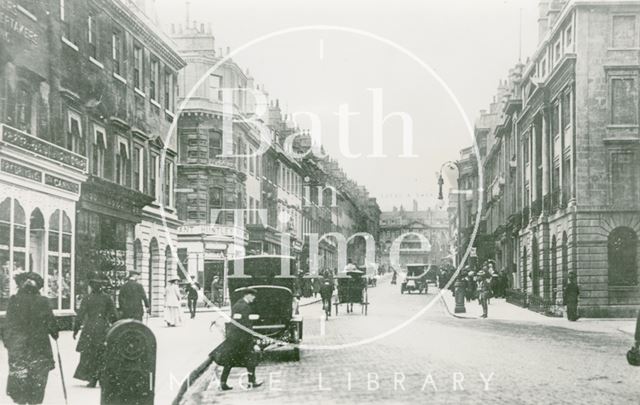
(214, 280)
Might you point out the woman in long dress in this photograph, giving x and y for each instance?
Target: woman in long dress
(30, 322)
(95, 316)
(172, 298)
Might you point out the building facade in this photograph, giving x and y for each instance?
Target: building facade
(560, 179)
(431, 247)
(106, 95)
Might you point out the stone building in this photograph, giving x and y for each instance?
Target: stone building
(431, 224)
(568, 136)
(108, 95)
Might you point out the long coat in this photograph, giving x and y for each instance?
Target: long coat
(96, 314)
(571, 292)
(172, 296)
(131, 297)
(29, 323)
(237, 349)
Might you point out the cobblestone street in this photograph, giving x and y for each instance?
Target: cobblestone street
(438, 359)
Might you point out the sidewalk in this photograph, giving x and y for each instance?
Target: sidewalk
(501, 310)
(179, 351)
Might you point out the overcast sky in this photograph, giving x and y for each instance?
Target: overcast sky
(470, 44)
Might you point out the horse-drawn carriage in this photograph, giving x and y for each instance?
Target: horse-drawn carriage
(352, 289)
(416, 279)
(274, 305)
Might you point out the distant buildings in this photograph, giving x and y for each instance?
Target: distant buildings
(559, 151)
(432, 225)
(266, 202)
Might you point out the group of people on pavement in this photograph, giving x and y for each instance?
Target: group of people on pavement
(30, 322)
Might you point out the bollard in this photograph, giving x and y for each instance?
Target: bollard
(459, 293)
(129, 373)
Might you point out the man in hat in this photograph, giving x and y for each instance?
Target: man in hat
(484, 292)
(237, 350)
(192, 296)
(571, 292)
(132, 297)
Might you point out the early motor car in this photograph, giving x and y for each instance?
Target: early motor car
(275, 306)
(416, 279)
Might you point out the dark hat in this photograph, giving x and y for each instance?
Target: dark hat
(172, 279)
(246, 291)
(22, 278)
(134, 273)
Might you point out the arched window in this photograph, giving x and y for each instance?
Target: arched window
(154, 265)
(37, 255)
(622, 252)
(554, 268)
(59, 278)
(169, 265)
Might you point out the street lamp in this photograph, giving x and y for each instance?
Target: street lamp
(459, 287)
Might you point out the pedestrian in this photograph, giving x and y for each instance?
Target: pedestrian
(637, 336)
(132, 298)
(484, 293)
(571, 293)
(172, 298)
(237, 350)
(326, 292)
(29, 323)
(192, 296)
(95, 316)
(216, 288)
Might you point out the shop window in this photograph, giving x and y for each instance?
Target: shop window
(153, 266)
(12, 247)
(624, 100)
(622, 251)
(215, 144)
(98, 151)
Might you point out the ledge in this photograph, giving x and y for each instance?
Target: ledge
(119, 78)
(139, 92)
(95, 62)
(26, 12)
(69, 44)
(155, 103)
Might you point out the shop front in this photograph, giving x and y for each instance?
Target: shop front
(106, 220)
(205, 249)
(39, 187)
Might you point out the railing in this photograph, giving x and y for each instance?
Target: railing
(45, 149)
(517, 297)
(542, 305)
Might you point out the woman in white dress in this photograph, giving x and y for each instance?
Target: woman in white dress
(172, 308)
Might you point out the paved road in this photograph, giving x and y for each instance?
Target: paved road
(438, 359)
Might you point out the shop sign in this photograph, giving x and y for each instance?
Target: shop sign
(61, 184)
(43, 148)
(11, 24)
(20, 170)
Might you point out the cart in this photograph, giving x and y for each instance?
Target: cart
(352, 289)
(416, 279)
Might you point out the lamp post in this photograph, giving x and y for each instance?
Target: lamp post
(459, 286)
